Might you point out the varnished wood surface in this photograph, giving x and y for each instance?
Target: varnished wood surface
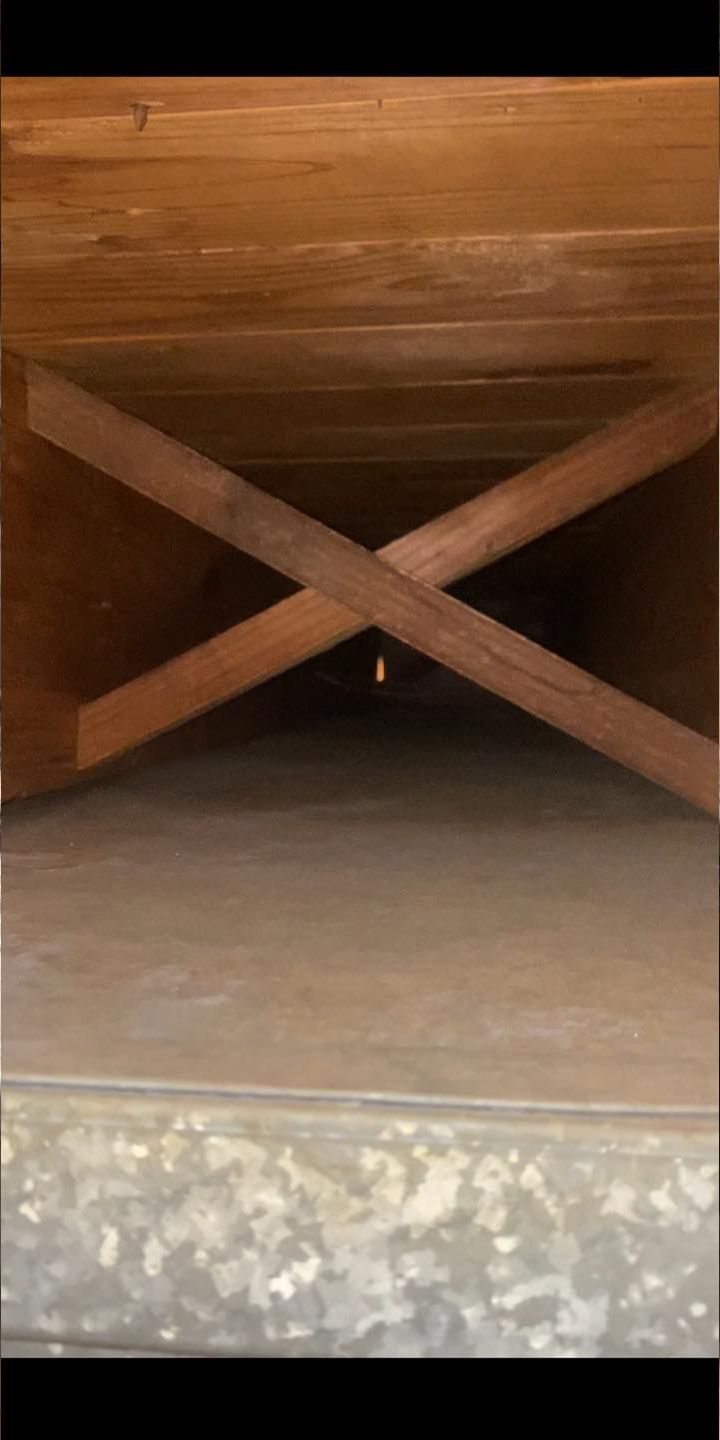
(373, 296)
(372, 357)
(313, 287)
(291, 233)
(76, 614)
(66, 98)
(633, 154)
(319, 428)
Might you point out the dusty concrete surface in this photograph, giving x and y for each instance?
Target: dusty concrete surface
(385, 905)
(394, 1039)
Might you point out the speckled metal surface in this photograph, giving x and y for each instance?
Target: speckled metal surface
(56, 1350)
(200, 1225)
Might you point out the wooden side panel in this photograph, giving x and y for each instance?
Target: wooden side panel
(650, 605)
(99, 584)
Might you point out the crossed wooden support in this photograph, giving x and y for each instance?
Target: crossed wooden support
(395, 589)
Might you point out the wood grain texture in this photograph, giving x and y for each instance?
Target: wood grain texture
(375, 296)
(393, 599)
(266, 435)
(596, 398)
(293, 234)
(397, 356)
(37, 98)
(112, 290)
(99, 584)
(432, 425)
(405, 444)
(582, 158)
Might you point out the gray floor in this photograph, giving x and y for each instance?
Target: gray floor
(389, 904)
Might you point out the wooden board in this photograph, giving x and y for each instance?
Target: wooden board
(648, 600)
(93, 96)
(310, 442)
(483, 445)
(634, 155)
(361, 358)
(585, 398)
(77, 616)
(111, 290)
(292, 234)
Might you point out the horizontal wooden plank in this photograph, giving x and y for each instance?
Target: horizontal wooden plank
(389, 442)
(579, 159)
(434, 422)
(33, 98)
(259, 414)
(400, 603)
(433, 281)
(391, 356)
(363, 481)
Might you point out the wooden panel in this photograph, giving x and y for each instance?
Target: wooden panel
(596, 398)
(437, 625)
(97, 585)
(587, 158)
(291, 234)
(400, 355)
(91, 96)
(431, 422)
(490, 421)
(649, 603)
(404, 443)
(508, 278)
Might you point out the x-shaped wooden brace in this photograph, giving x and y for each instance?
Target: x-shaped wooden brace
(394, 589)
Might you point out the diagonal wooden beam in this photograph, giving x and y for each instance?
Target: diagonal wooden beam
(405, 606)
(456, 544)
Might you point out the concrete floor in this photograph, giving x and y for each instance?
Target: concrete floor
(397, 903)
